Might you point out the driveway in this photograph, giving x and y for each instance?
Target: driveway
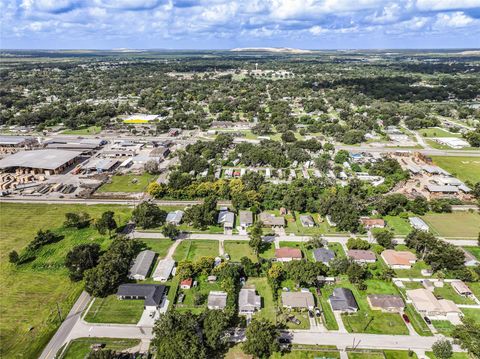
(338, 318)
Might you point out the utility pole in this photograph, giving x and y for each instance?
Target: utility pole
(59, 312)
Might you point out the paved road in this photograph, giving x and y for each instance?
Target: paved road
(90, 201)
(290, 238)
(428, 152)
(62, 334)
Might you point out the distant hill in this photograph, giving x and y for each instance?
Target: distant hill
(285, 50)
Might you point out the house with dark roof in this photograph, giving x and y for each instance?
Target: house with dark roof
(141, 265)
(152, 294)
(323, 255)
(342, 300)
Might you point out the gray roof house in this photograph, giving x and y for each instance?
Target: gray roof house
(248, 301)
(217, 300)
(323, 255)
(307, 220)
(342, 300)
(141, 265)
(153, 294)
(298, 300)
(270, 220)
(163, 270)
(227, 218)
(174, 217)
(246, 218)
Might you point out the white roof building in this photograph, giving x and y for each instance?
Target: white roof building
(418, 223)
(163, 270)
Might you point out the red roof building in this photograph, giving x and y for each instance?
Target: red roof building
(287, 254)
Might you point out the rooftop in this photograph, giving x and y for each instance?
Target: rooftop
(385, 301)
(323, 255)
(342, 299)
(217, 299)
(48, 159)
(287, 252)
(361, 254)
(152, 293)
(142, 264)
(298, 299)
(393, 257)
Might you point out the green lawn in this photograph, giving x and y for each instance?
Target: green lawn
(366, 355)
(306, 354)
(127, 183)
(337, 248)
(447, 292)
(443, 326)
(268, 251)
(38, 286)
(239, 249)
(80, 348)
(399, 225)
(263, 289)
(398, 354)
(302, 316)
(455, 225)
(202, 289)
(454, 356)
(329, 318)
(475, 288)
(465, 168)
(437, 132)
(474, 250)
(113, 310)
(92, 130)
(193, 250)
(472, 313)
(160, 246)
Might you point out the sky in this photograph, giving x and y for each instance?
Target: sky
(225, 24)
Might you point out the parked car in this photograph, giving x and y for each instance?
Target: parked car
(318, 312)
(284, 340)
(427, 319)
(226, 256)
(310, 314)
(294, 320)
(406, 318)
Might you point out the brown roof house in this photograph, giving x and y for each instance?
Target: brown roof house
(270, 220)
(370, 223)
(386, 302)
(427, 304)
(287, 254)
(362, 256)
(399, 259)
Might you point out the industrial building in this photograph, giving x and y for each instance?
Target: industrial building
(47, 161)
(85, 145)
(12, 144)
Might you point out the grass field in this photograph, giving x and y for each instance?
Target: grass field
(239, 249)
(399, 225)
(80, 348)
(193, 250)
(454, 356)
(92, 130)
(455, 225)
(36, 287)
(265, 292)
(437, 132)
(443, 326)
(328, 316)
(127, 183)
(159, 246)
(465, 168)
(475, 251)
(113, 310)
(472, 313)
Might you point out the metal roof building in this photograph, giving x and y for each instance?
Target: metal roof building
(217, 300)
(418, 224)
(53, 160)
(163, 270)
(141, 265)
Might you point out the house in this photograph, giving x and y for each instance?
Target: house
(398, 259)
(186, 283)
(270, 220)
(228, 219)
(461, 288)
(298, 300)
(370, 223)
(175, 217)
(141, 265)
(386, 302)
(323, 255)
(163, 270)
(470, 259)
(248, 301)
(427, 304)
(211, 278)
(418, 224)
(287, 254)
(342, 300)
(152, 294)
(217, 300)
(307, 220)
(362, 256)
(246, 219)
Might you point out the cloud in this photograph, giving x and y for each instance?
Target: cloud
(442, 5)
(50, 6)
(134, 5)
(456, 19)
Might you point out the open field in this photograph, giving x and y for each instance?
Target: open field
(80, 348)
(265, 292)
(159, 246)
(92, 130)
(465, 168)
(113, 310)
(127, 183)
(193, 250)
(239, 249)
(437, 132)
(454, 356)
(37, 286)
(455, 225)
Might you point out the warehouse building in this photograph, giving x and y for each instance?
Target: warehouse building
(12, 144)
(46, 161)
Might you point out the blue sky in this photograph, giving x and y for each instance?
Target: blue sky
(222, 24)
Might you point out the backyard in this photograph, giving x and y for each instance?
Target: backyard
(265, 292)
(113, 310)
(455, 225)
(128, 183)
(38, 286)
(195, 298)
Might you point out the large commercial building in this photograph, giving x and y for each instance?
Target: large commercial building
(47, 161)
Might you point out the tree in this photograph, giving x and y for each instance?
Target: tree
(261, 338)
(357, 243)
(170, 230)
(202, 215)
(157, 190)
(106, 223)
(42, 238)
(468, 335)
(82, 258)
(442, 349)
(152, 167)
(148, 215)
(356, 273)
(13, 257)
(288, 136)
(384, 237)
(215, 322)
(473, 137)
(75, 220)
(341, 157)
(256, 237)
(176, 336)
(304, 272)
